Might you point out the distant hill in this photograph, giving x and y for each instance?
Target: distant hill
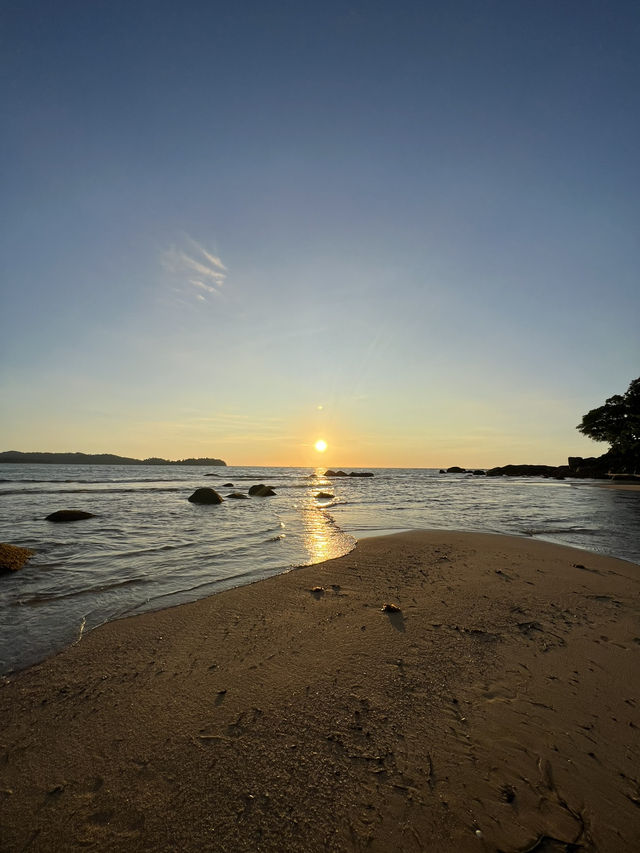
(96, 459)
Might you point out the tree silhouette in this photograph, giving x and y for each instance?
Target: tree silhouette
(617, 421)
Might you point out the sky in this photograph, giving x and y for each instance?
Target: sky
(410, 229)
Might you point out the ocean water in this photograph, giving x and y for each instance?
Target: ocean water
(149, 548)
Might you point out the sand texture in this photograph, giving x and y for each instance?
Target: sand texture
(497, 711)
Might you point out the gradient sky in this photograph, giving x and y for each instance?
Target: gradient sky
(230, 229)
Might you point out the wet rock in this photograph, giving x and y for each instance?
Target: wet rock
(261, 491)
(331, 473)
(238, 496)
(455, 469)
(205, 496)
(69, 515)
(324, 496)
(528, 471)
(13, 557)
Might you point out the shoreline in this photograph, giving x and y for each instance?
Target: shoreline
(498, 700)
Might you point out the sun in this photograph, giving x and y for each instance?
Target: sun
(320, 445)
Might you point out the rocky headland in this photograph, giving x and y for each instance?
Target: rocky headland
(610, 466)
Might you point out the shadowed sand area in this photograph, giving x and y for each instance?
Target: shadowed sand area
(497, 711)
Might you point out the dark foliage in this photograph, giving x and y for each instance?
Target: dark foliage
(618, 423)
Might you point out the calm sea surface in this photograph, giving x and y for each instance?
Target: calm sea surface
(148, 547)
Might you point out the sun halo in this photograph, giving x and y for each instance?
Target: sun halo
(320, 445)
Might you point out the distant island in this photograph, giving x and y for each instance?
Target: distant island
(16, 456)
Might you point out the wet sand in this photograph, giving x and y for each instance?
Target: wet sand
(496, 711)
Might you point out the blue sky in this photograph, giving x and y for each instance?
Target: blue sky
(410, 229)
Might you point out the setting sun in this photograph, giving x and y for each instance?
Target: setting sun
(320, 445)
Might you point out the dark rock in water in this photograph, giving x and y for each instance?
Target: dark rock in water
(13, 557)
(227, 485)
(526, 471)
(331, 473)
(442, 471)
(238, 496)
(479, 472)
(455, 469)
(323, 496)
(625, 478)
(205, 496)
(261, 491)
(69, 515)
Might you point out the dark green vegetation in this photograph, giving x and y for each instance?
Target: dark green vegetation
(96, 459)
(617, 422)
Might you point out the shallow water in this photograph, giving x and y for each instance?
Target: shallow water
(148, 547)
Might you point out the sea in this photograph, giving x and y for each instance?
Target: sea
(148, 547)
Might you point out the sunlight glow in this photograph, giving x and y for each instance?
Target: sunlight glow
(320, 445)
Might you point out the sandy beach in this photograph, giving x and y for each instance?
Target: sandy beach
(496, 710)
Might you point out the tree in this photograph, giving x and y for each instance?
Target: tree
(617, 422)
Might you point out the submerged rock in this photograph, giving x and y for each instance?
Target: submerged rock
(323, 496)
(13, 557)
(238, 496)
(456, 469)
(261, 491)
(205, 496)
(69, 515)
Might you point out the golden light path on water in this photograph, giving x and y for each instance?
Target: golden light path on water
(321, 538)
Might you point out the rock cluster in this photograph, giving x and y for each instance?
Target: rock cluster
(331, 473)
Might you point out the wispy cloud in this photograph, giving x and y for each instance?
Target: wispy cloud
(195, 269)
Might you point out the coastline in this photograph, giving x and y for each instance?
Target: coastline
(499, 701)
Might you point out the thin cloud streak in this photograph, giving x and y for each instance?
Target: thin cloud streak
(213, 259)
(210, 271)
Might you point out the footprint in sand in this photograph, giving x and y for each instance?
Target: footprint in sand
(499, 693)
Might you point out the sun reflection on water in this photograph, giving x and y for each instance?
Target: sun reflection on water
(317, 534)
(322, 538)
